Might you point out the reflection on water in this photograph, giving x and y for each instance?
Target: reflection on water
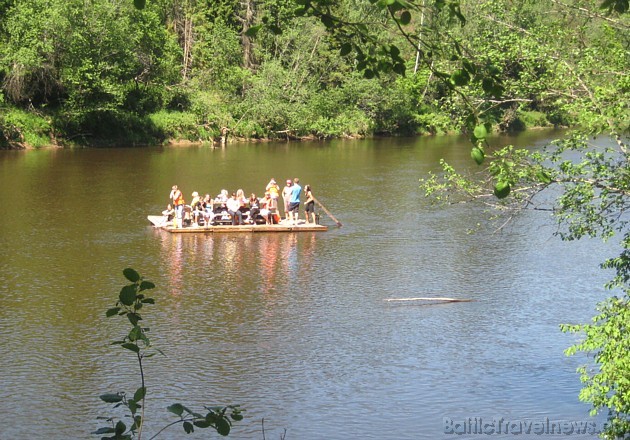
(292, 326)
(265, 263)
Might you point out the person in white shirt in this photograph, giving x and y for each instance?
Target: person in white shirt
(286, 195)
(234, 209)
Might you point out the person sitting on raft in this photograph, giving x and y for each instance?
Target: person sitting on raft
(168, 213)
(196, 208)
(268, 207)
(208, 212)
(254, 208)
(234, 209)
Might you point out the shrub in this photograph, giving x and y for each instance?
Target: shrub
(533, 118)
(108, 127)
(19, 127)
(180, 125)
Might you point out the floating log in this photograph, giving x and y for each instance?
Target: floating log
(431, 299)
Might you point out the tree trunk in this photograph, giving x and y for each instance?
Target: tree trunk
(248, 8)
(187, 42)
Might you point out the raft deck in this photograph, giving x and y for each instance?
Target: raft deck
(283, 226)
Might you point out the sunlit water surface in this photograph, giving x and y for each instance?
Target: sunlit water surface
(293, 327)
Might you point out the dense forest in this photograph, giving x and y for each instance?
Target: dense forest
(111, 72)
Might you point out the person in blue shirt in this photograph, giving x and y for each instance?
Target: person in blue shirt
(294, 201)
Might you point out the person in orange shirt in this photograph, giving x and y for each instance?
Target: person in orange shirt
(178, 203)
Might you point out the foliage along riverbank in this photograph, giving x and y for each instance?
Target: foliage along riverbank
(105, 73)
(21, 130)
(38, 128)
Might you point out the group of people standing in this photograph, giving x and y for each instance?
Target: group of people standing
(240, 209)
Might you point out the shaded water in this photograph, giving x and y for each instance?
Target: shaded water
(292, 327)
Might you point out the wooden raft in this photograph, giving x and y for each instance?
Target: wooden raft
(157, 221)
(245, 228)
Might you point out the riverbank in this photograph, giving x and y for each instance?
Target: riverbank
(184, 143)
(25, 130)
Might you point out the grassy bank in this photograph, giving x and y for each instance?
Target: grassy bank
(21, 129)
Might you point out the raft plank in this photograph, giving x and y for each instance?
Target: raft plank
(244, 228)
(217, 229)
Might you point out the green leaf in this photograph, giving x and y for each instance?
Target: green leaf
(346, 48)
(253, 31)
(133, 406)
(405, 17)
(458, 49)
(112, 312)
(131, 275)
(148, 301)
(176, 408)
(104, 431)
(501, 189)
(139, 4)
(327, 20)
(487, 84)
(145, 285)
(455, 11)
(480, 132)
(223, 426)
(460, 78)
(111, 398)
(120, 428)
(494, 70)
(134, 318)
(543, 177)
(395, 6)
(620, 6)
(477, 155)
(202, 424)
(132, 347)
(497, 90)
(128, 295)
(399, 68)
(188, 427)
(139, 394)
(135, 333)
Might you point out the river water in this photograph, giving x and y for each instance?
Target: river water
(293, 327)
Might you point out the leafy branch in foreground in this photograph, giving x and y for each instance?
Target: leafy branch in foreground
(593, 185)
(590, 197)
(130, 301)
(607, 386)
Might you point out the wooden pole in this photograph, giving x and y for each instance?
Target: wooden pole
(327, 212)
